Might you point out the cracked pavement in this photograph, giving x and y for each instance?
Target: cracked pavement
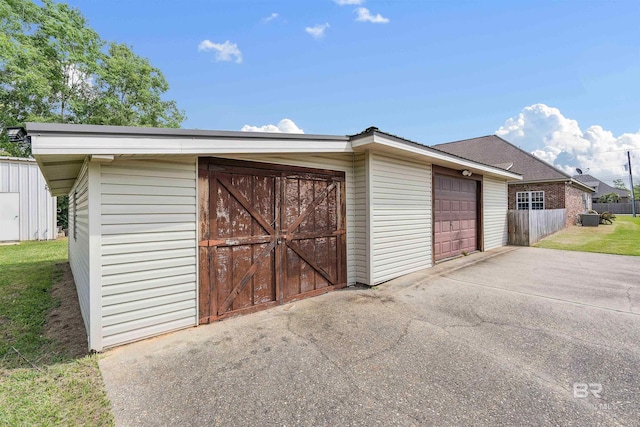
(497, 338)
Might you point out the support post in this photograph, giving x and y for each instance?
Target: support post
(633, 197)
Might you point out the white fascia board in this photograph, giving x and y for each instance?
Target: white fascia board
(571, 181)
(16, 159)
(115, 145)
(437, 158)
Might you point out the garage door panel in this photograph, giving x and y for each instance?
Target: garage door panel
(307, 274)
(263, 281)
(455, 216)
(205, 290)
(291, 202)
(332, 207)
(240, 218)
(242, 260)
(275, 236)
(223, 278)
(307, 196)
(262, 198)
(316, 258)
(293, 284)
(224, 205)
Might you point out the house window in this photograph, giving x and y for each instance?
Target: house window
(530, 200)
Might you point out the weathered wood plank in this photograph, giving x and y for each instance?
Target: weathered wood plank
(245, 279)
(526, 227)
(254, 216)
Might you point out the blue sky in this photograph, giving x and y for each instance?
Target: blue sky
(437, 71)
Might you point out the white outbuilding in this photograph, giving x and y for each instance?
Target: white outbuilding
(172, 228)
(27, 209)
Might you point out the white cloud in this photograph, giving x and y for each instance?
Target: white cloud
(365, 16)
(317, 31)
(75, 77)
(271, 17)
(226, 51)
(548, 134)
(283, 126)
(347, 2)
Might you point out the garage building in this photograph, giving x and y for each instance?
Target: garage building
(27, 209)
(171, 228)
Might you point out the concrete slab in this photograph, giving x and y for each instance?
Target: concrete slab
(499, 338)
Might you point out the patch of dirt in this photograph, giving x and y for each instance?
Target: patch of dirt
(64, 323)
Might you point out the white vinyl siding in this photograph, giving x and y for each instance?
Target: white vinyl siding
(494, 205)
(37, 208)
(336, 162)
(360, 222)
(400, 215)
(79, 243)
(149, 261)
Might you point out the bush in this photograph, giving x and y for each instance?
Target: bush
(607, 218)
(63, 212)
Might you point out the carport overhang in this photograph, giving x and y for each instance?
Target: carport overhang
(62, 149)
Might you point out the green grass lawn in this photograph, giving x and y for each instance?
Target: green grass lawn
(61, 389)
(620, 238)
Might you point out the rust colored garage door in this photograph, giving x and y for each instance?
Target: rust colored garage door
(268, 235)
(455, 216)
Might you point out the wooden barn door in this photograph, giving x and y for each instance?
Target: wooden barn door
(268, 235)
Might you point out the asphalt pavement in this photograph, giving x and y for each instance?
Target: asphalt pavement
(523, 336)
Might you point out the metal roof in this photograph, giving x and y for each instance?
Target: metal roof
(61, 149)
(17, 159)
(65, 128)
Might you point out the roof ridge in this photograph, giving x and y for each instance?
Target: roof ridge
(463, 140)
(534, 157)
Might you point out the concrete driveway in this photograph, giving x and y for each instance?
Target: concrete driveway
(516, 337)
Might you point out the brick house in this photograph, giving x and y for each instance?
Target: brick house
(602, 188)
(542, 187)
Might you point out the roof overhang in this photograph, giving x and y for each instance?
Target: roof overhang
(399, 146)
(16, 159)
(63, 139)
(570, 181)
(61, 149)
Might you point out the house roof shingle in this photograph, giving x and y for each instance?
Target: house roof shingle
(601, 188)
(493, 150)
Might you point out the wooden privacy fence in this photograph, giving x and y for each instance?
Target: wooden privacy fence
(616, 208)
(526, 227)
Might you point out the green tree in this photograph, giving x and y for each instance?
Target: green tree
(55, 68)
(131, 92)
(62, 209)
(609, 198)
(619, 183)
